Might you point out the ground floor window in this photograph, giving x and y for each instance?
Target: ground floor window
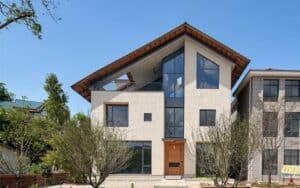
(204, 157)
(291, 157)
(269, 161)
(140, 162)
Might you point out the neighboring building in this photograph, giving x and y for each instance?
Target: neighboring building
(36, 108)
(161, 94)
(272, 98)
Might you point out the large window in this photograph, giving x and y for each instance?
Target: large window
(269, 161)
(140, 162)
(207, 73)
(116, 115)
(292, 124)
(270, 124)
(173, 75)
(291, 157)
(174, 122)
(271, 88)
(292, 90)
(207, 117)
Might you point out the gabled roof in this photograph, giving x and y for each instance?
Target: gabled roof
(82, 86)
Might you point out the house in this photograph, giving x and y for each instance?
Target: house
(272, 97)
(7, 153)
(36, 108)
(160, 94)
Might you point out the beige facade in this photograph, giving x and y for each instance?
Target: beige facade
(196, 99)
(140, 102)
(251, 105)
(138, 130)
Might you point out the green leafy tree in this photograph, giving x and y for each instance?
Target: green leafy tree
(27, 134)
(25, 12)
(4, 94)
(56, 103)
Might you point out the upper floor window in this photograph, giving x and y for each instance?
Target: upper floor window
(270, 124)
(292, 124)
(207, 73)
(147, 116)
(271, 88)
(269, 161)
(291, 157)
(292, 90)
(207, 117)
(117, 115)
(173, 68)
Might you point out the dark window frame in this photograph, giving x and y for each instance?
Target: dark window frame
(198, 74)
(273, 153)
(268, 130)
(205, 122)
(291, 157)
(140, 167)
(268, 84)
(291, 117)
(147, 116)
(174, 124)
(112, 123)
(174, 74)
(289, 84)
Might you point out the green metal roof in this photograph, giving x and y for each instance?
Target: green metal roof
(19, 103)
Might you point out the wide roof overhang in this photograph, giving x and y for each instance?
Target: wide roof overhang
(83, 86)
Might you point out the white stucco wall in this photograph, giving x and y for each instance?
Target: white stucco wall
(153, 102)
(137, 130)
(196, 99)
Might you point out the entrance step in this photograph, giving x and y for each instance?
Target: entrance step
(173, 177)
(174, 183)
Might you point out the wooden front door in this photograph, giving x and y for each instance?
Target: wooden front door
(174, 151)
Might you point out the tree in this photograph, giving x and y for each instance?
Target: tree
(24, 12)
(226, 150)
(4, 94)
(56, 103)
(245, 144)
(90, 152)
(25, 134)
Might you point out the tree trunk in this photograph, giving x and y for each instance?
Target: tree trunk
(270, 177)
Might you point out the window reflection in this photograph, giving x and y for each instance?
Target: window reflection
(207, 73)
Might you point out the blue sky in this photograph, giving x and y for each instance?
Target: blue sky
(94, 33)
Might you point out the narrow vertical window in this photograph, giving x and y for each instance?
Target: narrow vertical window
(269, 161)
(292, 90)
(207, 73)
(173, 76)
(270, 124)
(292, 124)
(271, 88)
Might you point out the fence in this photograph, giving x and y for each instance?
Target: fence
(26, 181)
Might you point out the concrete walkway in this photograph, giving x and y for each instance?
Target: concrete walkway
(143, 181)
